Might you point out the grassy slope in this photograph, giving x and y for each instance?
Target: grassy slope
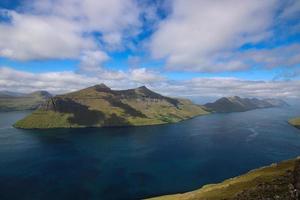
(295, 122)
(96, 108)
(265, 182)
(40, 119)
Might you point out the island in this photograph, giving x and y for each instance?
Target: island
(278, 181)
(100, 106)
(14, 101)
(238, 104)
(295, 122)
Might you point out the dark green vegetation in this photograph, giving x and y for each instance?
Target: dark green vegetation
(99, 106)
(278, 181)
(295, 122)
(10, 101)
(238, 104)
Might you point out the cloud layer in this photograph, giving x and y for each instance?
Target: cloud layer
(197, 88)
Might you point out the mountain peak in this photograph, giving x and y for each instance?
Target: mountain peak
(101, 86)
(234, 97)
(143, 88)
(41, 93)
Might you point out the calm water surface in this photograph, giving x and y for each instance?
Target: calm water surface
(139, 162)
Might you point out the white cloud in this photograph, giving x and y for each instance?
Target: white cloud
(199, 31)
(66, 81)
(216, 87)
(49, 29)
(291, 10)
(144, 75)
(282, 56)
(92, 60)
(44, 37)
(103, 16)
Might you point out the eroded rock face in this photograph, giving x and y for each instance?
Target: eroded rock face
(297, 175)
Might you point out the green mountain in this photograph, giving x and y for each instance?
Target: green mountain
(11, 101)
(276, 182)
(238, 104)
(295, 122)
(99, 106)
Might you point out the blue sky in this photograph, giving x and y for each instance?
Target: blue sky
(251, 48)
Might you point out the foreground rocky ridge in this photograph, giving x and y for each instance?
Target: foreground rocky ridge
(238, 104)
(276, 182)
(99, 106)
(11, 101)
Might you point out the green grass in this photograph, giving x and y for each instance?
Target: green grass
(247, 182)
(43, 120)
(295, 122)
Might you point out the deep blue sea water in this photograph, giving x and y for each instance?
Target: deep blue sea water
(139, 162)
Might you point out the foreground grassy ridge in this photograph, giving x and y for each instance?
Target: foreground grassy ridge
(295, 122)
(99, 106)
(278, 181)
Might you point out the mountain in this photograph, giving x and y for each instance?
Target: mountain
(276, 102)
(278, 181)
(295, 122)
(6, 93)
(99, 106)
(238, 104)
(11, 101)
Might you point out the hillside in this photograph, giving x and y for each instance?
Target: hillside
(12, 101)
(238, 104)
(295, 122)
(278, 181)
(99, 106)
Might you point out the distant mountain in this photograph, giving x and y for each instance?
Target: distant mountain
(6, 93)
(99, 106)
(277, 181)
(276, 102)
(11, 101)
(238, 104)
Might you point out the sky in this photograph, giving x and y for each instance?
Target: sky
(197, 49)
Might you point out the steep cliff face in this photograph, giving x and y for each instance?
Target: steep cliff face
(238, 104)
(276, 182)
(99, 106)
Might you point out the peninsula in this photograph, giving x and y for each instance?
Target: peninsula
(100, 106)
